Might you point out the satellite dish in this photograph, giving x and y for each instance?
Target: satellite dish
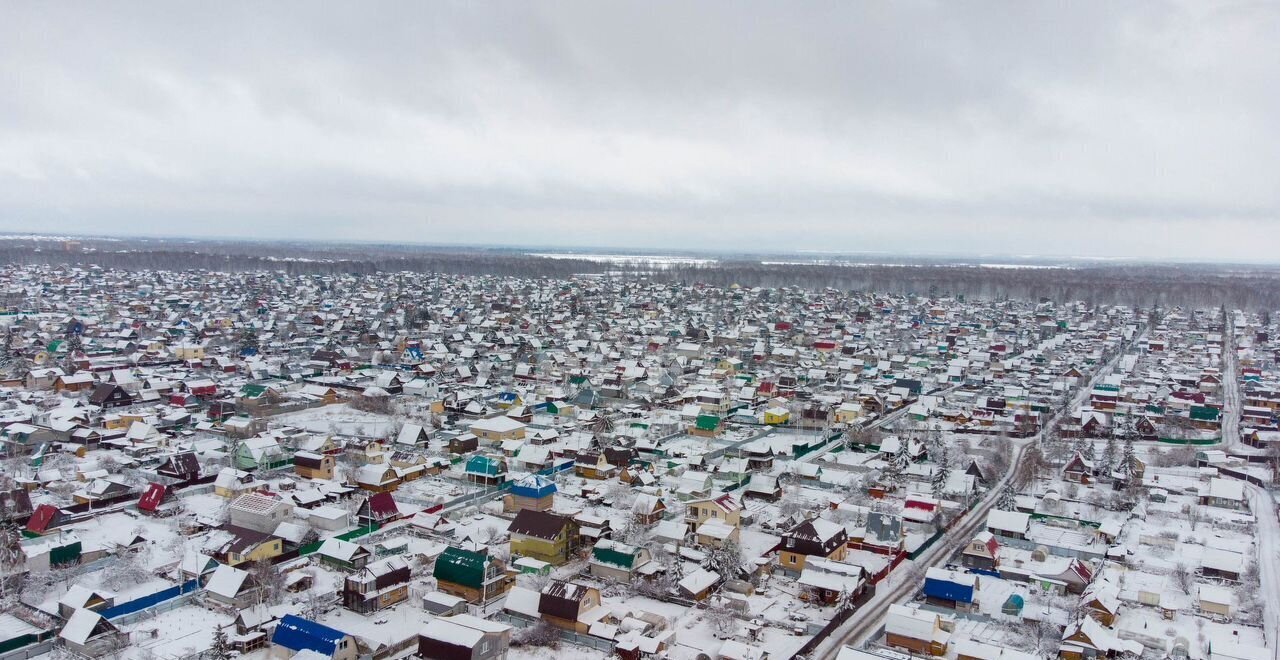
(40, 358)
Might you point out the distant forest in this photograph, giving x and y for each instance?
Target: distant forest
(1145, 285)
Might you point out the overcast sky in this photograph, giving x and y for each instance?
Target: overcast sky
(1063, 128)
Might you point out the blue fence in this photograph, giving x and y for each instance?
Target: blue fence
(151, 600)
(556, 469)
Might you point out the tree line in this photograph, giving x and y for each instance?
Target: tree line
(1145, 285)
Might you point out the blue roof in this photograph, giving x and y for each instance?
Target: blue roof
(297, 634)
(534, 486)
(945, 590)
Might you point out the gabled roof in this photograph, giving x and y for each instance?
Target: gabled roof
(817, 529)
(41, 518)
(1008, 521)
(462, 630)
(484, 465)
(152, 497)
(340, 550)
(614, 553)
(84, 625)
(299, 634)
(383, 505)
(227, 581)
(538, 524)
(461, 567)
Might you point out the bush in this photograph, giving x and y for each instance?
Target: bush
(543, 635)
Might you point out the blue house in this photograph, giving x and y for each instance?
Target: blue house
(298, 634)
(534, 486)
(951, 589)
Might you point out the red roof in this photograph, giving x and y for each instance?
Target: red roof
(382, 506)
(152, 497)
(1081, 570)
(41, 517)
(727, 503)
(924, 504)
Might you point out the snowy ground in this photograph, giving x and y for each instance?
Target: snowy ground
(341, 419)
(179, 633)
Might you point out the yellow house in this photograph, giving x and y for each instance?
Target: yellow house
(188, 351)
(509, 400)
(247, 550)
(310, 465)
(497, 429)
(114, 422)
(848, 413)
(813, 538)
(543, 535)
(127, 419)
(231, 483)
(723, 508)
(776, 415)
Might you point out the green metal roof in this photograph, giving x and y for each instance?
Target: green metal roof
(253, 391)
(1204, 413)
(483, 465)
(460, 567)
(608, 555)
(707, 422)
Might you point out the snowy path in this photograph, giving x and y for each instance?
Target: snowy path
(1231, 390)
(1264, 510)
(1260, 501)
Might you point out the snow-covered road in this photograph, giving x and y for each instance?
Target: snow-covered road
(1230, 389)
(1264, 509)
(1261, 502)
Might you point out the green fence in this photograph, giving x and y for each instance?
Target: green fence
(926, 545)
(24, 640)
(1191, 441)
(347, 536)
(1046, 516)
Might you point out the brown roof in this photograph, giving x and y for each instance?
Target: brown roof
(538, 524)
(562, 599)
(245, 538)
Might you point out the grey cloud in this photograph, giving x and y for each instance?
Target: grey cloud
(894, 126)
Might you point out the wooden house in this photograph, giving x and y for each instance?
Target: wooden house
(564, 604)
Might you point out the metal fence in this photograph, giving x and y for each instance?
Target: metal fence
(589, 641)
(29, 650)
(150, 600)
(158, 608)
